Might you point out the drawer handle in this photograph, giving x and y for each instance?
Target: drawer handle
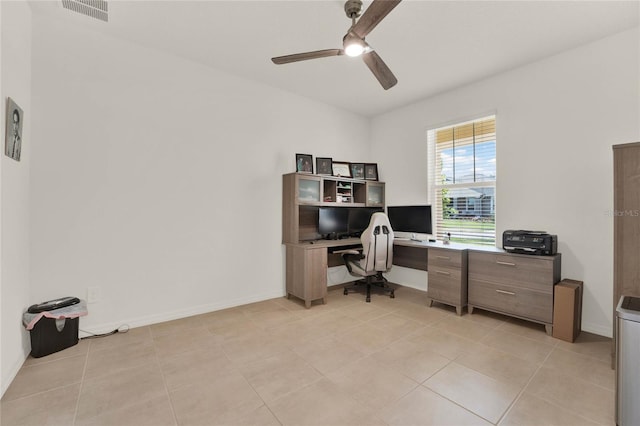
(505, 263)
(443, 273)
(510, 293)
(443, 257)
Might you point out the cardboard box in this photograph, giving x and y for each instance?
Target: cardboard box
(567, 309)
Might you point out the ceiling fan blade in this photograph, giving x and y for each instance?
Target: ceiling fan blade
(279, 60)
(373, 15)
(380, 69)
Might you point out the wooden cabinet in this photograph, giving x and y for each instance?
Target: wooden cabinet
(447, 277)
(514, 284)
(374, 194)
(307, 273)
(626, 223)
(307, 189)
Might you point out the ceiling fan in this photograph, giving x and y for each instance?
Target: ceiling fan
(353, 42)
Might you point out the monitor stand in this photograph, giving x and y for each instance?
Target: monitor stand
(414, 238)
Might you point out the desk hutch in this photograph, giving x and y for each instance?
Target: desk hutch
(307, 258)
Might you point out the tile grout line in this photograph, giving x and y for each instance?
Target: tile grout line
(164, 381)
(447, 398)
(577, 378)
(524, 388)
(84, 371)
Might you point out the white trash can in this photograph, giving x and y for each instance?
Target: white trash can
(628, 361)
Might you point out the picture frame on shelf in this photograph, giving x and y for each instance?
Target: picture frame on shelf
(371, 171)
(323, 166)
(341, 169)
(357, 170)
(304, 163)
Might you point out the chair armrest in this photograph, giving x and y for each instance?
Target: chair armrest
(349, 256)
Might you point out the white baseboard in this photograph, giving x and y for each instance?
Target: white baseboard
(182, 313)
(598, 329)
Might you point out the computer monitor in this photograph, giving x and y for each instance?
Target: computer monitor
(412, 219)
(359, 218)
(333, 221)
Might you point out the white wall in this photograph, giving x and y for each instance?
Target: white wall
(159, 180)
(14, 188)
(556, 122)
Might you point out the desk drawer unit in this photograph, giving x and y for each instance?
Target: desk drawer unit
(447, 277)
(516, 300)
(517, 285)
(446, 258)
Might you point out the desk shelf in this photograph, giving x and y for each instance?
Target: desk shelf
(339, 190)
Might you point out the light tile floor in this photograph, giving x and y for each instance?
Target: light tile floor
(388, 362)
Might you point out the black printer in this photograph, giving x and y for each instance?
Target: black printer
(529, 242)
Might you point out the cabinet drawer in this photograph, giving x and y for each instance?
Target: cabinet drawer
(445, 284)
(522, 302)
(445, 258)
(533, 272)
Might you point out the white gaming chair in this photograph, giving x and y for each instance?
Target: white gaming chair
(376, 256)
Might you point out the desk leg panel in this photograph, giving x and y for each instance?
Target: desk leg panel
(307, 273)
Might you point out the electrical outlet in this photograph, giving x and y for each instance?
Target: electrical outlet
(93, 294)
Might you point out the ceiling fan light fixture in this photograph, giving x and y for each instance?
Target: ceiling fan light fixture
(353, 45)
(354, 49)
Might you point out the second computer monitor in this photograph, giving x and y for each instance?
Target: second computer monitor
(410, 219)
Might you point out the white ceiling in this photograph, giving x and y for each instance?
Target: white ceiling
(431, 46)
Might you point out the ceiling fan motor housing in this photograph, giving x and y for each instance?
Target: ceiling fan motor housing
(353, 8)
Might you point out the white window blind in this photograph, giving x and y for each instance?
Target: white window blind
(462, 160)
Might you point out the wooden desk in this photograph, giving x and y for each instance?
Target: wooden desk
(307, 263)
(459, 275)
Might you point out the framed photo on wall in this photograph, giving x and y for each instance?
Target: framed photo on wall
(323, 166)
(13, 135)
(371, 171)
(304, 163)
(357, 170)
(342, 169)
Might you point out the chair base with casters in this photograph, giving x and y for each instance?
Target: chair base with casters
(377, 281)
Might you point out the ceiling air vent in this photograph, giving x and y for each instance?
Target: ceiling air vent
(93, 8)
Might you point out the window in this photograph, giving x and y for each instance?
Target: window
(462, 160)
